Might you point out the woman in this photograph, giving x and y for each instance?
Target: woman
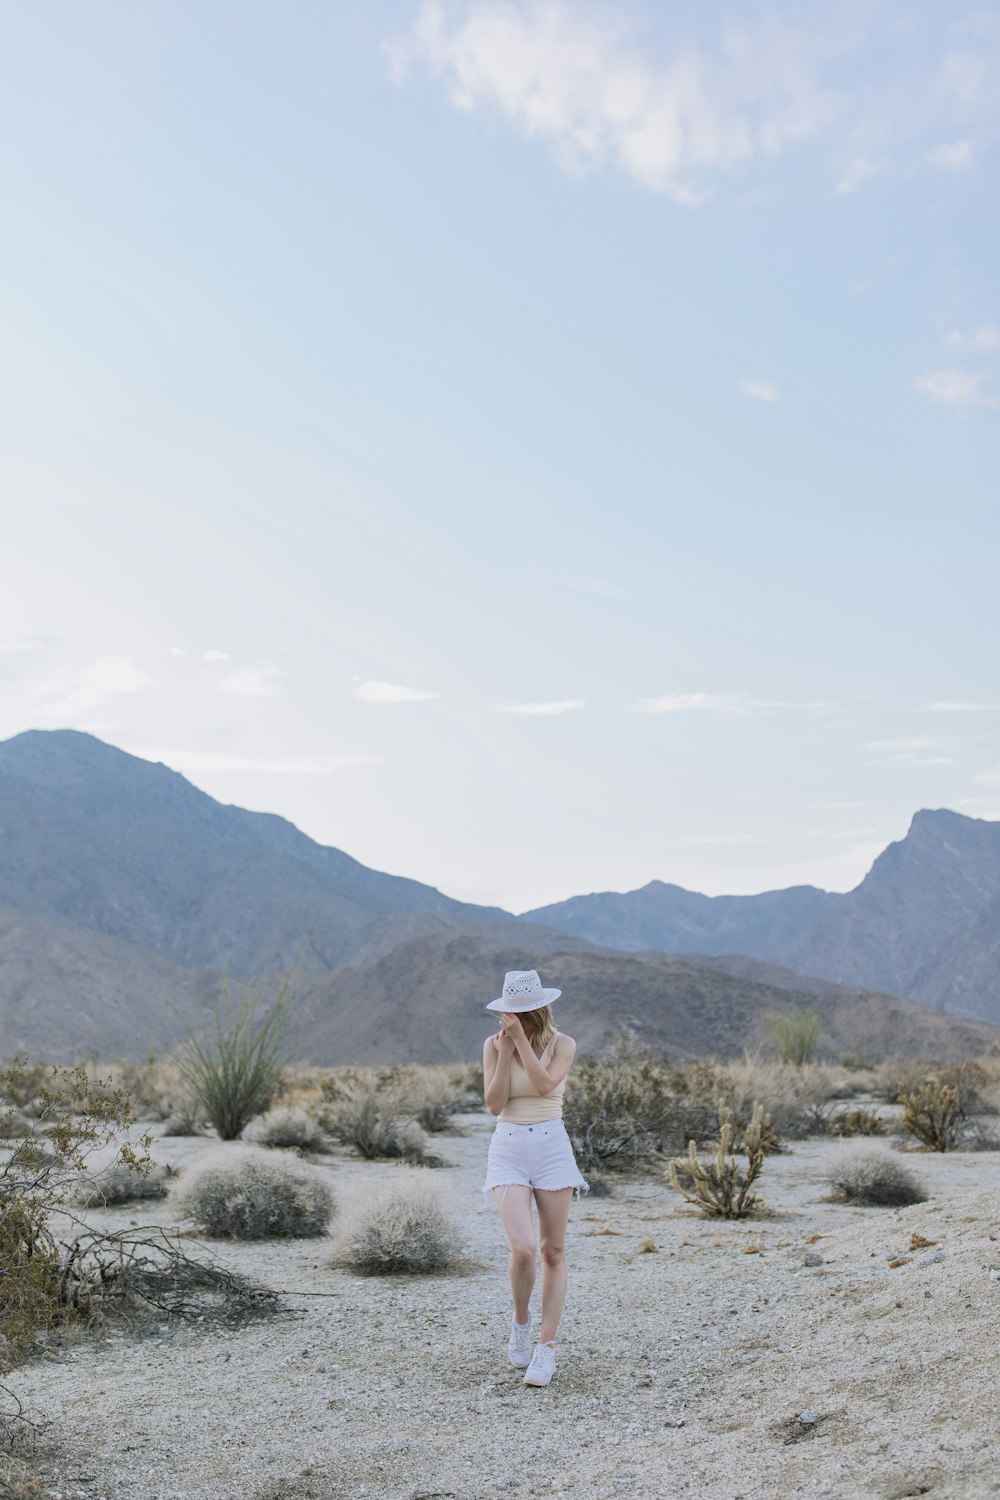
(524, 1074)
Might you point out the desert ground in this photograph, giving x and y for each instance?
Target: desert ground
(717, 1364)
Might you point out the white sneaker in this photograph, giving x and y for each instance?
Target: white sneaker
(542, 1367)
(519, 1344)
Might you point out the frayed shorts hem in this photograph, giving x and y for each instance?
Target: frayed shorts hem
(580, 1189)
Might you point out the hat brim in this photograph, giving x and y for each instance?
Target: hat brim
(536, 1003)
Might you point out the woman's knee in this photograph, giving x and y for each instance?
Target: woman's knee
(522, 1253)
(553, 1254)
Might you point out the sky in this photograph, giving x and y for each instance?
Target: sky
(537, 446)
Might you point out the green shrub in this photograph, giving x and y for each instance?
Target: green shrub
(856, 1122)
(405, 1232)
(877, 1180)
(247, 1193)
(719, 1186)
(794, 1034)
(232, 1067)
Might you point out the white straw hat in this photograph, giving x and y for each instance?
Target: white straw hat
(523, 990)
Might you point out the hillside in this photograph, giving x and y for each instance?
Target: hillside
(924, 922)
(425, 1001)
(129, 849)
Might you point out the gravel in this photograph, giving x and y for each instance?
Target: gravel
(708, 1368)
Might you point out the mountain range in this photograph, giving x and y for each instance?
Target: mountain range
(124, 889)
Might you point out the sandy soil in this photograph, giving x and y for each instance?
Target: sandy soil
(682, 1371)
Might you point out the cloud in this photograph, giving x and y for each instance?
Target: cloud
(855, 173)
(913, 743)
(95, 685)
(215, 656)
(963, 76)
(762, 390)
(390, 692)
(260, 681)
(987, 778)
(950, 706)
(832, 806)
(560, 706)
(986, 338)
(291, 765)
(955, 388)
(573, 76)
(23, 646)
(722, 703)
(952, 156)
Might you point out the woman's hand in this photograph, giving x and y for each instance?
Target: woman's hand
(502, 1042)
(511, 1028)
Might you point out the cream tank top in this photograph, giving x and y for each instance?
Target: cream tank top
(524, 1105)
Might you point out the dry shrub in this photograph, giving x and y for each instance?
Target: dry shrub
(287, 1128)
(856, 1122)
(122, 1183)
(246, 1193)
(719, 1186)
(376, 1119)
(623, 1111)
(405, 1232)
(877, 1180)
(74, 1117)
(791, 1096)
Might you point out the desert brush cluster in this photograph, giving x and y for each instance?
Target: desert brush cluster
(78, 1143)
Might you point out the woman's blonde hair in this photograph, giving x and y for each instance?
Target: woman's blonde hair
(538, 1025)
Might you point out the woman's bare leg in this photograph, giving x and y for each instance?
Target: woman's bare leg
(553, 1215)
(514, 1203)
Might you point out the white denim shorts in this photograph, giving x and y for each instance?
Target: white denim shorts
(534, 1156)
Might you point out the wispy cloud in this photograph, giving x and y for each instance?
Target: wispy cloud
(951, 156)
(832, 806)
(290, 765)
(99, 683)
(761, 390)
(559, 706)
(964, 77)
(955, 388)
(573, 76)
(955, 706)
(720, 703)
(390, 692)
(903, 745)
(723, 838)
(262, 680)
(985, 338)
(211, 656)
(24, 646)
(855, 173)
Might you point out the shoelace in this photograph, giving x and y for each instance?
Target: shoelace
(545, 1354)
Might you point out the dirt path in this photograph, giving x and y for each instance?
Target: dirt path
(682, 1371)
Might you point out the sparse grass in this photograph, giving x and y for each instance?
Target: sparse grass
(719, 1186)
(405, 1232)
(247, 1193)
(875, 1179)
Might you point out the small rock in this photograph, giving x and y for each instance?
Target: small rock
(808, 1418)
(674, 1422)
(932, 1260)
(995, 1273)
(812, 1258)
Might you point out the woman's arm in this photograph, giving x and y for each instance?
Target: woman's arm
(543, 1080)
(497, 1053)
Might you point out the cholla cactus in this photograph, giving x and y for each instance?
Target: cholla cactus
(720, 1185)
(932, 1113)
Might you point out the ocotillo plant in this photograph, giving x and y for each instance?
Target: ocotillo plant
(720, 1185)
